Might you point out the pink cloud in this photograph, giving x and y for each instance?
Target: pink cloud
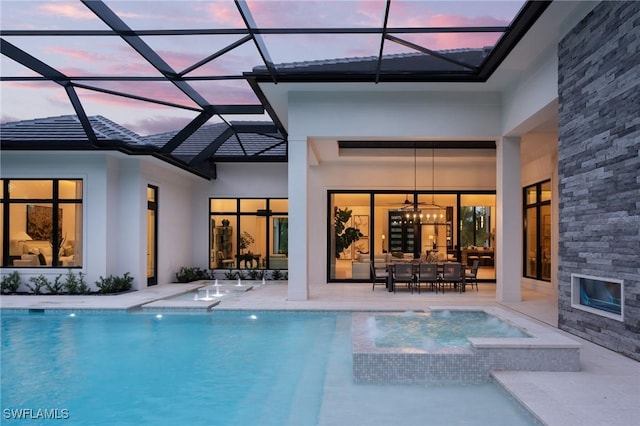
(121, 61)
(38, 85)
(60, 98)
(443, 20)
(6, 118)
(408, 14)
(75, 54)
(370, 13)
(309, 13)
(156, 124)
(176, 14)
(451, 13)
(225, 14)
(226, 92)
(182, 60)
(68, 10)
(166, 92)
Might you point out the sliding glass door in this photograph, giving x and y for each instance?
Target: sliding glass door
(374, 226)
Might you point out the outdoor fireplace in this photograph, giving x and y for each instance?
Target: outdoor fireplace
(601, 296)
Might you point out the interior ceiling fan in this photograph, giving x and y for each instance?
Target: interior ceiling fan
(410, 205)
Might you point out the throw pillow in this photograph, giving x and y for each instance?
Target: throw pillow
(43, 261)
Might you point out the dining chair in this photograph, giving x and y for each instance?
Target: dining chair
(452, 274)
(471, 277)
(403, 273)
(428, 274)
(377, 276)
(224, 263)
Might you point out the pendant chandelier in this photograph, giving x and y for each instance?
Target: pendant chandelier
(429, 213)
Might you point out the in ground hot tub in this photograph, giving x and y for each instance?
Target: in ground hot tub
(454, 345)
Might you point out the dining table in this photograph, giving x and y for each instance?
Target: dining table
(416, 267)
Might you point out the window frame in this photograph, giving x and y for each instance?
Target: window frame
(237, 214)
(537, 206)
(55, 202)
(375, 241)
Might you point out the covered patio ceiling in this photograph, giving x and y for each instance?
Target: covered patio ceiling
(184, 76)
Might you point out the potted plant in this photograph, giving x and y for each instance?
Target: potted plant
(245, 240)
(345, 236)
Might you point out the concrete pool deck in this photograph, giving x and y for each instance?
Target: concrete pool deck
(605, 391)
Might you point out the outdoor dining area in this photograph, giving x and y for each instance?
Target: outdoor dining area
(416, 274)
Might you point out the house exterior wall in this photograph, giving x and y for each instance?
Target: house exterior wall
(323, 118)
(114, 211)
(387, 114)
(176, 212)
(92, 169)
(536, 90)
(599, 88)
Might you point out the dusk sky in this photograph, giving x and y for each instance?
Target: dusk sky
(111, 56)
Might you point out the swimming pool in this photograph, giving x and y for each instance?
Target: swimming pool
(224, 368)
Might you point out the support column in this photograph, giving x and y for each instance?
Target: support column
(298, 288)
(509, 221)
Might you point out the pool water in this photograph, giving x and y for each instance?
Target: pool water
(224, 368)
(438, 329)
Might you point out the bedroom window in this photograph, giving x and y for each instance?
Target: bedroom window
(41, 223)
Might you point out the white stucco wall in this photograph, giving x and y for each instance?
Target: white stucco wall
(325, 117)
(91, 168)
(176, 209)
(384, 114)
(526, 101)
(114, 210)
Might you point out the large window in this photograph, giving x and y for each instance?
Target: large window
(537, 231)
(249, 233)
(477, 229)
(380, 226)
(41, 222)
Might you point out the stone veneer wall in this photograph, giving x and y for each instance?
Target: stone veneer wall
(598, 167)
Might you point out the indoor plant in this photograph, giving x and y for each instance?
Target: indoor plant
(345, 235)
